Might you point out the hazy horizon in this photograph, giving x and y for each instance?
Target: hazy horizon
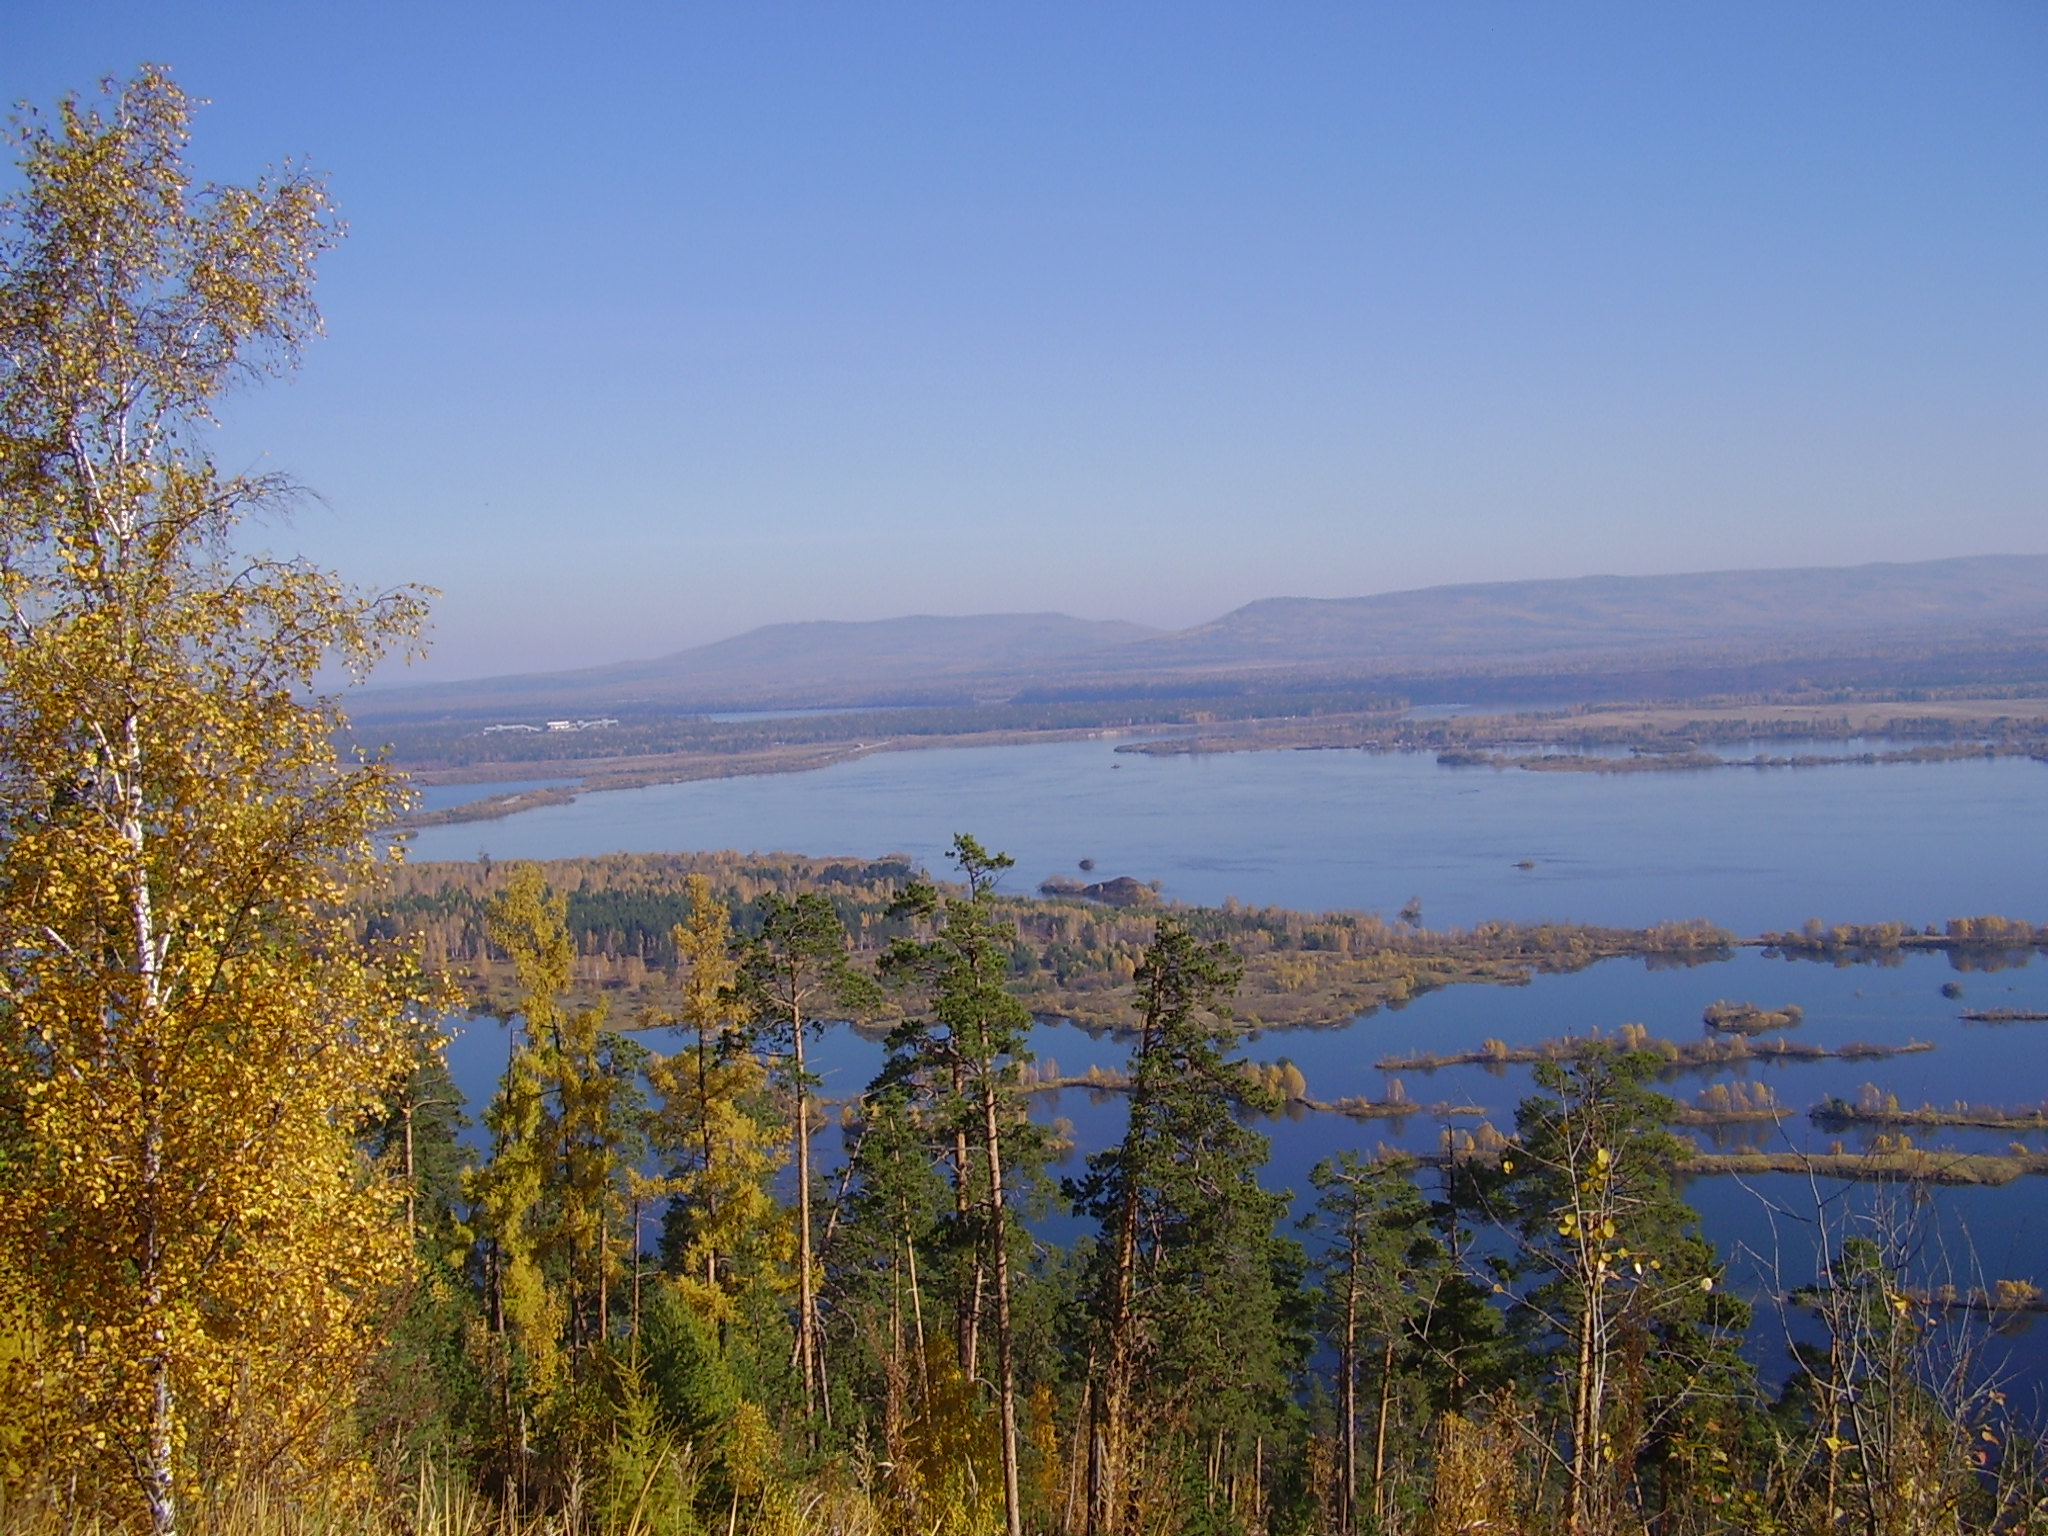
(656, 325)
(1534, 605)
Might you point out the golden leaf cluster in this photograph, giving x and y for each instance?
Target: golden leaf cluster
(192, 1247)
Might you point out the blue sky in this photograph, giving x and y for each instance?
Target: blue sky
(658, 322)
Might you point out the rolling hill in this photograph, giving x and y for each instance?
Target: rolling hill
(821, 662)
(1945, 606)
(1984, 595)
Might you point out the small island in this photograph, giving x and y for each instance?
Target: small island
(1748, 1019)
(1873, 1106)
(1712, 1051)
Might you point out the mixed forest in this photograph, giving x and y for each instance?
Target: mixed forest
(262, 1268)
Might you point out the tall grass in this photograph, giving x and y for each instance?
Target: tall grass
(448, 1506)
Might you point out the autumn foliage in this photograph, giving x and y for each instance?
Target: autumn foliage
(194, 1256)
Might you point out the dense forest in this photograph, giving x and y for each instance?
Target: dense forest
(1071, 956)
(263, 1269)
(644, 1300)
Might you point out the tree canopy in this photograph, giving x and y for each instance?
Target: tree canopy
(190, 1033)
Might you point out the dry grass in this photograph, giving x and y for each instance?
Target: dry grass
(447, 1508)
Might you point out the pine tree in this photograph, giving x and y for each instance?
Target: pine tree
(1196, 1299)
(891, 1226)
(789, 979)
(968, 1043)
(419, 1140)
(1375, 1221)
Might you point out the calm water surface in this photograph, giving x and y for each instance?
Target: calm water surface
(1771, 1230)
(1342, 829)
(1337, 829)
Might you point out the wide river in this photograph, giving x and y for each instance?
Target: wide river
(1751, 850)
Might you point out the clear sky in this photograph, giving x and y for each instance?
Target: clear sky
(657, 322)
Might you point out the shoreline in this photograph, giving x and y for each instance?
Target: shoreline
(1663, 739)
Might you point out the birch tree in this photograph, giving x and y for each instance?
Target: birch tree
(1622, 1301)
(189, 1034)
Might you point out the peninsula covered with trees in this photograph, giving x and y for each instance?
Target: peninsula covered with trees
(263, 1269)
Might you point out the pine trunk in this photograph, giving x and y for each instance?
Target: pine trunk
(1347, 1495)
(1379, 1443)
(999, 1240)
(807, 1300)
(967, 1320)
(1107, 1457)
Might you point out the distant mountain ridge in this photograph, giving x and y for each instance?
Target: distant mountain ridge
(1982, 594)
(817, 661)
(827, 663)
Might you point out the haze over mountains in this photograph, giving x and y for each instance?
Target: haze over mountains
(1944, 606)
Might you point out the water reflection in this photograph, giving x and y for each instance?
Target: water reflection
(1753, 851)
